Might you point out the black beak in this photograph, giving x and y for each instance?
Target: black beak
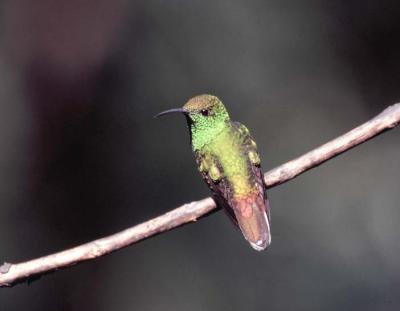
(175, 110)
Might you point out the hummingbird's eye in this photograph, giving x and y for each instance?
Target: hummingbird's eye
(204, 112)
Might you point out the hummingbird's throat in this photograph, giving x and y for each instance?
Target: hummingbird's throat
(203, 133)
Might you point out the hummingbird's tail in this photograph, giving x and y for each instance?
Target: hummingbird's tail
(252, 215)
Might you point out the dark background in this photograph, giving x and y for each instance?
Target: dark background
(81, 156)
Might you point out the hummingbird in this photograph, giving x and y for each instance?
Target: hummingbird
(228, 160)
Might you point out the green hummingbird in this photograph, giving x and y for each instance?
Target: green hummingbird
(229, 162)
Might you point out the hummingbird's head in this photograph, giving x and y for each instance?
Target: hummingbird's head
(203, 110)
(206, 116)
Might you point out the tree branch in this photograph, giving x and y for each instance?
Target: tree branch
(11, 274)
(386, 120)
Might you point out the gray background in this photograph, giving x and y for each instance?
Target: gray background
(81, 156)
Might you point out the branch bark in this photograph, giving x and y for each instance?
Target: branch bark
(11, 274)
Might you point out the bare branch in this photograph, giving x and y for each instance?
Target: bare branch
(386, 120)
(11, 274)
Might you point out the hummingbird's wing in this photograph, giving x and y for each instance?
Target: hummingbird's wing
(250, 147)
(218, 184)
(252, 211)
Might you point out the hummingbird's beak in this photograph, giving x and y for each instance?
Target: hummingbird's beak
(175, 110)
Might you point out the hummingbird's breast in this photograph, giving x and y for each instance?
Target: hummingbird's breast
(230, 153)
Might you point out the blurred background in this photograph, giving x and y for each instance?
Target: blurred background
(81, 156)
